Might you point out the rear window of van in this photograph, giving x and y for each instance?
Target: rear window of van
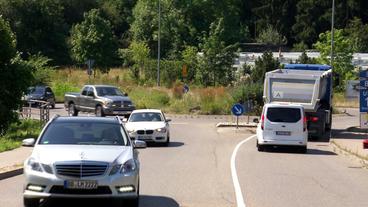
(289, 115)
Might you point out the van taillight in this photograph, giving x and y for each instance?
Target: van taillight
(304, 124)
(313, 119)
(262, 121)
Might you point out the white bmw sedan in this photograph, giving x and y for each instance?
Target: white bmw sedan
(149, 125)
(82, 157)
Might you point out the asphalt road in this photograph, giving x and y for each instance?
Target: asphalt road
(194, 171)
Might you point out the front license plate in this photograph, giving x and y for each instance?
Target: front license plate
(283, 133)
(81, 184)
(122, 112)
(144, 137)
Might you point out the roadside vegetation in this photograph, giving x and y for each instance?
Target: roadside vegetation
(17, 132)
(47, 42)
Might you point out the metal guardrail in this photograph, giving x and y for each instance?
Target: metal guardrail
(42, 110)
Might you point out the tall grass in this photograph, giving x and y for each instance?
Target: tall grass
(339, 100)
(213, 100)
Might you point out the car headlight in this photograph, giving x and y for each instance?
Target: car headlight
(115, 169)
(107, 103)
(131, 130)
(128, 167)
(42, 97)
(34, 165)
(162, 130)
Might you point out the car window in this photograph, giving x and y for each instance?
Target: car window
(36, 90)
(289, 115)
(84, 92)
(90, 92)
(145, 116)
(108, 91)
(84, 134)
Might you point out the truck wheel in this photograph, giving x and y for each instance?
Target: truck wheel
(329, 125)
(31, 202)
(99, 111)
(72, 111)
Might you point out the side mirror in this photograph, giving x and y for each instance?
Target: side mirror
(125, 94)
(30, 142)
(256, 120)
(139, 144)
(48, 93)
(168, 120)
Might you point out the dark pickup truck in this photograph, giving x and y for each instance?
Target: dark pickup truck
(103, 100)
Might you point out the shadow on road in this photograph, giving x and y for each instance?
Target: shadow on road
(153, 201)
(144, 201)
(171, 144)
(348, 134)
(288, 149)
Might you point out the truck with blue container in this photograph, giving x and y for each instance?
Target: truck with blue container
(309, 85)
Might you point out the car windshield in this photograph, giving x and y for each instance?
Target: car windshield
(84, 133)
(36, 90)
(288, 115)
(145, 116)
(108, 91)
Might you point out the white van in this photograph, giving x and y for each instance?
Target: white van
(282, 124)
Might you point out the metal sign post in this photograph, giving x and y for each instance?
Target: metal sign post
(237, 110)
(89, 69)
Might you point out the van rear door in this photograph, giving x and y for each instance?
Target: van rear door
(283, 123)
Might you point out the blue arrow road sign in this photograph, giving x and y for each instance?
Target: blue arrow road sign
(237, 109)
(363, 95)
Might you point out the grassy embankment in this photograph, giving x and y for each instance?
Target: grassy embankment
(211, 100)
(19, 131)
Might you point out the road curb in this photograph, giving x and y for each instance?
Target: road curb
(233, 124)
(11, 173)
(344, 151)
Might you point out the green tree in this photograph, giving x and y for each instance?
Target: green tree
(137, 54)
(190, 59)
(173, 29)
(312, 18)
(271, 36)
(343, 54)
(304, 59)
(93, 39)
(14, 79)
(40, 27)
(262, 65)
(357, 32)
(119, 13)
(217, 60)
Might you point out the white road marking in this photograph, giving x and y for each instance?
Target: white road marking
(238, 193)
(178, 123)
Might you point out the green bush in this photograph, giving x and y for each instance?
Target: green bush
(60, 88)
(151, 98)
(18, 131)
(245, 92)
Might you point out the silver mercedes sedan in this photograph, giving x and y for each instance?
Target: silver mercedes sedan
(82, 157)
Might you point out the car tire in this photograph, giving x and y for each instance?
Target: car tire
(303, 149)
(71, 110)
(167, 143)
(99, 111)
(260, 148)
(31, 202)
